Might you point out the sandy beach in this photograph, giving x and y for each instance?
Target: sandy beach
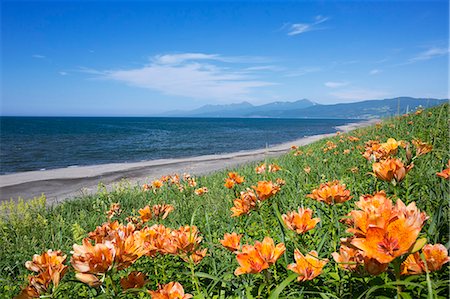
(65, 183)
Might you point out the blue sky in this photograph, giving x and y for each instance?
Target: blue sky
(145, 57)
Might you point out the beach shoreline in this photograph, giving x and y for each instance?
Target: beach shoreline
(70, 182)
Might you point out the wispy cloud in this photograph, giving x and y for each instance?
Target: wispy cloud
(430, 54)
(193, 75)
(299, 28)
(63, 73)
(375, 72)
(302, 71)
(38, 56)
(332, 84)
(358, 94)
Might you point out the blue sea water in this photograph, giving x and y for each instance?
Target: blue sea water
(35, 143)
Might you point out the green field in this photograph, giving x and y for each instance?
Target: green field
(31, 227)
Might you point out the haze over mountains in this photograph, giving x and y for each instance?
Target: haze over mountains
(307, 109)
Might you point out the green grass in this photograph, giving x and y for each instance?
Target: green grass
(30, 227)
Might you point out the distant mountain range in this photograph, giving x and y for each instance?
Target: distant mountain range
(307, 109)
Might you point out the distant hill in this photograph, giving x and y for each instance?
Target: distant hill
(307, 109)
(243, 109)
(365, 109)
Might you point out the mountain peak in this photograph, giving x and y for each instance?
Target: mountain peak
(305, 108)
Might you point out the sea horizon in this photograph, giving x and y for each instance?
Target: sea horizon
(30, 143)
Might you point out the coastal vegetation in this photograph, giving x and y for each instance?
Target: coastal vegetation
(358, 215)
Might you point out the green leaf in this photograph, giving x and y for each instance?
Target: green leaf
(334, 275)
(206, 275)
(276, 293)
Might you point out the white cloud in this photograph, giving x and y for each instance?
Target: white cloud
(375, 71)
(429, 54)
(272, 68)
(358, 94)
(299, 28)
(194, 75)
(38, 56)
(182, 57)
(302, 71)
(332, 84)
(63, 73)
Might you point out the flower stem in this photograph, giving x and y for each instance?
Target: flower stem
(194, 278)
(396, 264)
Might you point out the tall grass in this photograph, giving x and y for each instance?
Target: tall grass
(29, 227)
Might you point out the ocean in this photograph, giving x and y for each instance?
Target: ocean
(38, 143)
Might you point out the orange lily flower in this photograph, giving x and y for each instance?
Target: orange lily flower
(146, 214)
(236, 178)
(89, 279)
(37, 285)
(307, 267)
(172, 290)
(331, 193)
(387, 240)
(445, 174)
(156, 184)
(298, 153)
(376, 211)
(50, 267)
(244, 204)
(186, 239)
(250, 261)
(233, 178)
(231, 241)
(158, 239)
(162, 211)
(266, 189)
(373, 150)
(103, 232)
(192, 182)
(329, 146)
(390, 147)
(261, 168)
(348, 258)
(128, 248)
(422, 148)
(254, 259)
(51, 262)
(353, 139)
(229, 183)
(240, 207)
(113, 210)
(274, 168)
(146, 187)
(94, 259)
(280, 182)
(436, 256)
(201, 191)
(300, 222)
(29, 292)
(391, 170)
(413, 265)
(196, 257)
(268, 251)
(134, 280)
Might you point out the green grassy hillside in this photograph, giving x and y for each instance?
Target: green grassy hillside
(29, 228)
